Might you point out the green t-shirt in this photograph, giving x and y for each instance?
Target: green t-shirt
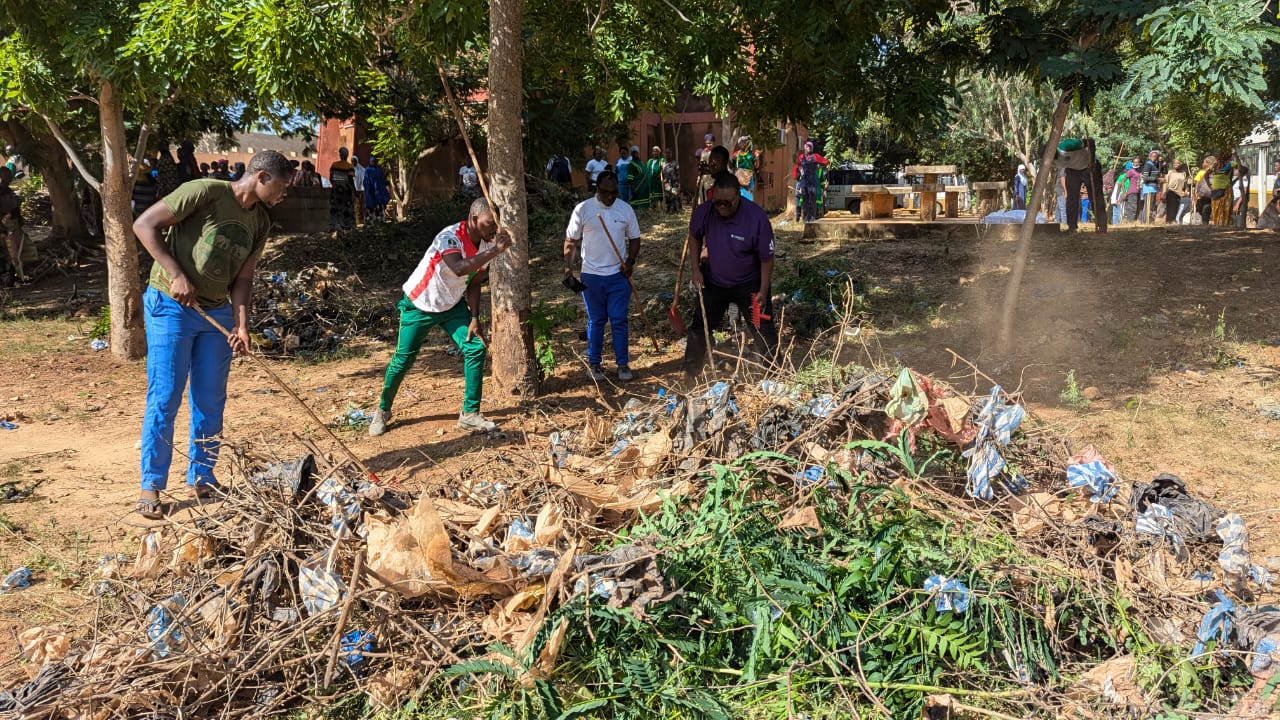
(213, 238)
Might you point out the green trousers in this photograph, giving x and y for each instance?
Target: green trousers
(414, 325)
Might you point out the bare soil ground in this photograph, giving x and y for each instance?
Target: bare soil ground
(1167, 330)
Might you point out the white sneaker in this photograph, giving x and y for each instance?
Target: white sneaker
(378, 424)
(625, 374)
(476, 421)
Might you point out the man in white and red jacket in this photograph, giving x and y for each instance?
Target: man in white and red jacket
(444, 290)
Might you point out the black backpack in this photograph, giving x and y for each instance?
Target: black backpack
(560, 170)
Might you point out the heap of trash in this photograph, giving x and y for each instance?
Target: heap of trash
(312, 584)
(317, 309)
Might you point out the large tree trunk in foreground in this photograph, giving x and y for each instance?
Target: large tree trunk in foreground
(514, 367)
(1044, 180)
(124, 286)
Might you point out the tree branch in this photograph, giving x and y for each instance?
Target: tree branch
(144, 133)
(93, 182)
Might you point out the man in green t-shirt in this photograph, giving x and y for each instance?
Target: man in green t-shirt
(205, 238)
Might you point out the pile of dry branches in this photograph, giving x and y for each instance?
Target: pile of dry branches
(314, 310)
(308, 584)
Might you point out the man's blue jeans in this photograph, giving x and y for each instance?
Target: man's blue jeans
(181, 345)
(608, 297)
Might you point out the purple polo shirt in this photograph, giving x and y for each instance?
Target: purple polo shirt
(735, 246)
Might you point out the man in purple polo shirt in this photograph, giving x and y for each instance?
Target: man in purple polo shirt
(739, 243)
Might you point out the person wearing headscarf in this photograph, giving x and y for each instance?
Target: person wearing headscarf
(805, 173)
(1021, 184)
(744, 163)
(342, 188)
(638, 176)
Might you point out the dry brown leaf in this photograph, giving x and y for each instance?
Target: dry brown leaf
(387, 689)
(597, 493)
(192, 552)
(549, 525)
(1038, 510)
(648, 500)
(148, 563)
(415, 555)
(486, 521)
(458, 512)
(806, 518)
(41, 645)
(956, 409)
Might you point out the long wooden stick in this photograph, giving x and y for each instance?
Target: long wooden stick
(634, 295)
(271, 373)
(336, 643)
(466, 139)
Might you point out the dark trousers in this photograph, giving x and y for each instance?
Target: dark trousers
(1131, 207)
(1204, 207)
(1172, 202)
(717, 300)
(1091, 178)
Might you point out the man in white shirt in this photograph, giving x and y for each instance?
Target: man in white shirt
(444, 290)
(605, 272)
(596, 165)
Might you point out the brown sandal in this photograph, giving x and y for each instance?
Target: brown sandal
(206, 491)
(150, 509)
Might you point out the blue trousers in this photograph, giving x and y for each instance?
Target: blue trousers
(608, 297)
(182, 347)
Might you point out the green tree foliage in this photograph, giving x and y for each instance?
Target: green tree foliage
(1202, 62)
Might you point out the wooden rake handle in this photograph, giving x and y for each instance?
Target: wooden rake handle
(634, 295)
(283, 386)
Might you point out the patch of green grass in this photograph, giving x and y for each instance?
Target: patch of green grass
(1071, 395)
(102, 326)
(21, 336)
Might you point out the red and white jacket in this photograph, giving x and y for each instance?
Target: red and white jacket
(433, 287)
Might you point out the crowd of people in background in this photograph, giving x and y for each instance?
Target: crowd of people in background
(655, 182)
(357, 192)
(1149, 190)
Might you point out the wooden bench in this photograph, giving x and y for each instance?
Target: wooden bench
(990, 196)
(930, 188)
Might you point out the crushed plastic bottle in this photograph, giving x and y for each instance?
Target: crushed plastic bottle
(19, 578)
(99, 344)
(559, 449)
(166, 638)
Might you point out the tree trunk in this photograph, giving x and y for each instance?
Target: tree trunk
(514, 367)
(1044, 180)
(42, 151)
(124, 286)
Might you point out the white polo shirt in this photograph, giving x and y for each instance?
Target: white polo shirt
(584, 226)
(433, 286)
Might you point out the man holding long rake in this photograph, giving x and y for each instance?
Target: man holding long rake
(606, 286)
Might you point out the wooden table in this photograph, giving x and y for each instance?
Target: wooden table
(930, 188)
(990, 196)
(877, 201)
